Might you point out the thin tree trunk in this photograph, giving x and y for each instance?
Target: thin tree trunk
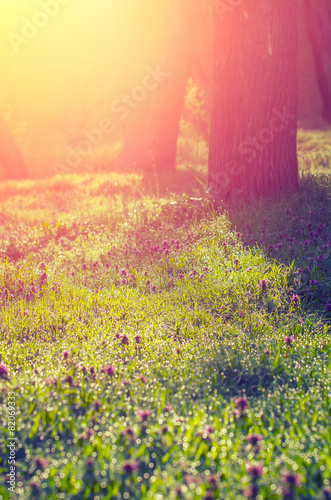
(157, 130)
(254, 111)
(168, 100)
(11, 159)
(317, 48)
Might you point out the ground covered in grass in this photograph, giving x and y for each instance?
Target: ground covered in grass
(157, 347)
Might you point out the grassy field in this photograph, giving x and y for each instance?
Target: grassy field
(153, 346)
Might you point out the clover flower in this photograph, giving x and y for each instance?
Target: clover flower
(327, 493)
(144, 414)
(327, 306)
(254, 439)
(291, 478)
(130, 466)
(206, 433)
(295, 299)
(41, 463)
(251, 492)
(88, 434)
(254, 470)
(129, 433)
(241, 403)
(108, 370)
(69, 379)
(125, 340)
(3, 371)
(212, 479)
(264, 284)
(289, 339)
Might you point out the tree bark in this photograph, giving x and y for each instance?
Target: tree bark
(11, 159)
(254, 112)
(314, 15)
(158, 129)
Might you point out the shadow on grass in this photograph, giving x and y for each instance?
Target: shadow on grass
(295, 228)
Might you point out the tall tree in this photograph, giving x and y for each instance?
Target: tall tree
(318, 21)
(11, 159)
(151, 139)
(254, 111)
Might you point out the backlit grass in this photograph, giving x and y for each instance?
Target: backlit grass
(160, 348)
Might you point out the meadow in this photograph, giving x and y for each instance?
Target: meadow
(156, 345)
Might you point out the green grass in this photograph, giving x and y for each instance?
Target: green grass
(158, 348)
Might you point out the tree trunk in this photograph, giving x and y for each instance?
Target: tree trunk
(312, 11)
(11, 159)
(158, 131)
(324, 23)
(254, 112)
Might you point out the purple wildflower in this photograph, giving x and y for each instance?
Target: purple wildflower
(3, 371)
(328, 306)
(213, 481)
(144, 414)
(109, 370)
(41, 463)
(129, 433)
(130, 466)
(241, 403)
(251, 492)
(291, 478)
(264, 285)
(289, 339)
(125, 340)
(327, 493)
(88, 434)
(254, 439)
(206, 433)
(255, 470)
(295, 299)
(69, 379)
